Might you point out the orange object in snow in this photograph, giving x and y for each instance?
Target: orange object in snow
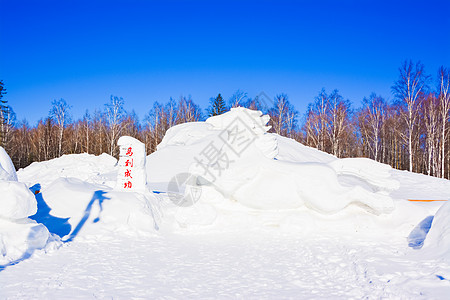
(415, 200)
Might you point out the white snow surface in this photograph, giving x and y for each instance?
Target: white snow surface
(19, 236)
(7, 170)
(234, 154)
(438, 239)
(16, 200)
(133, 245)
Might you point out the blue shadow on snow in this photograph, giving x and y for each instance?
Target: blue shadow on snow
(419, 233)
(58, 226)
(26, 255)
(97, 197)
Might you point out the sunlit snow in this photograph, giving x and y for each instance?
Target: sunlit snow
(267, 217)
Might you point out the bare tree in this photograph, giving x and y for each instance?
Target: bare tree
(86, 127)
(371, 124)
(4, 112)
(283, 116)
(444, 101)
(408, 88)
(322, 107)
(20, 150)
(238, 99)
(114, 113)
(338, 119)
(156, 121)
(131, 125)
(318, 122)
(99, 131)
(188, 111)
(171, 109)
(8, 119)
(60, 113)
(311, 127)
(429, 117)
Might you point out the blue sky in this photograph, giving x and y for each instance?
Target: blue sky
(84, 51)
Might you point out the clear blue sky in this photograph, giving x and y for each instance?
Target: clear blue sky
(84, 51)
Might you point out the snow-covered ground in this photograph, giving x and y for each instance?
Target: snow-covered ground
(257, 230)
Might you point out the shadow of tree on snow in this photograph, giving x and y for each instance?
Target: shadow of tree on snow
(99, 196)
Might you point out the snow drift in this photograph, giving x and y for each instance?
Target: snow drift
(438, 239)
(77, 197)
(77, 205)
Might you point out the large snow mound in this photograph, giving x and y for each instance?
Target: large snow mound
(72, 206)
(18, 240)
(438, 238)
(7, 170)
(86, 167)
(16, 200)
(19, 235)
(77, 198)
(234, 154)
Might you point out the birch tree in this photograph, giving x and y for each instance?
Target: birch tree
(318, 121)
(283, 116)
(312, 127)
(60, 113)
(444, 101)
(430, 119)
(188, 111)
(114, 113)
(338, 119)
(372, 119)
(411, 84)
(86, 127)
(238, 99)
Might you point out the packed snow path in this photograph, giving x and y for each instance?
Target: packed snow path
(257, 265)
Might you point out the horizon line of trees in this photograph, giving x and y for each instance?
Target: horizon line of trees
(411, 132)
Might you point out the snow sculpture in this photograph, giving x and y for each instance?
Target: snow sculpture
(242, 164)
(16, 200)
(132, 175)
(19, 235)
(7, 170)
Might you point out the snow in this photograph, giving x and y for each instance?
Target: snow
(236, 156)
(19, 235)
(113, 210)
(7, 170)
(438, 239)
(19, 239)
(242, 235)
(17, 201)
(86, 167)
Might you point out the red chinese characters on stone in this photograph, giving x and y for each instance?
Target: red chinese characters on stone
(129, 166)
(129, 151)
(128, 185)
(129, 163)
(128, 173)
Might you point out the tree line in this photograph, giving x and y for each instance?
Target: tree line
(411, 132)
